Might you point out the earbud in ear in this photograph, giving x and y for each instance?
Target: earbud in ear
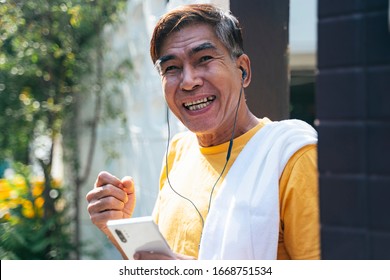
(243, 73)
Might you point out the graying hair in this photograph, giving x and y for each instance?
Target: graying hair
(225, 25)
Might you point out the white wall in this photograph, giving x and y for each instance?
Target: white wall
(303, 34)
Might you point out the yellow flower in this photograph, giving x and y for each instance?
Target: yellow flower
(5, 189)
(28, 210)
(76, 17)
(37, 188)
(39, 202)
(13, 193)
(19, 184)
(15, 202)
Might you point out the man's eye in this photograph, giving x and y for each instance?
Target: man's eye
(205, 58)
(170, 68)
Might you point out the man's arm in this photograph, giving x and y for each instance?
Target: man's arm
(299, 205)
(111, 199)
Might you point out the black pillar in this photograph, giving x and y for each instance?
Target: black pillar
(265, 31)
(353, 101)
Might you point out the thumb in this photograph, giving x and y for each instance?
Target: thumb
(128, 184)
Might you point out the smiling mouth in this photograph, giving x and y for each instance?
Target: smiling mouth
(199, 104)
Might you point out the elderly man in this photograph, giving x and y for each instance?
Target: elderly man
(234, 186)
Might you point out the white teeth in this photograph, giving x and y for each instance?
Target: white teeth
(195, 102)
(199, 104)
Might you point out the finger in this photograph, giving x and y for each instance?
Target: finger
(106, 191)
(100, 218)
(128, 184)
(105, 204)
(129, 188)
(105, 178)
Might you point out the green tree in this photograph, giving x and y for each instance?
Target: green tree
(47, 47)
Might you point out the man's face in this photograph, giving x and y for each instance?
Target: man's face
(200, 80)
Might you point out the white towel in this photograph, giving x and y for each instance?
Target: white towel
(243, 222)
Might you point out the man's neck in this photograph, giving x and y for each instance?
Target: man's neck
(244, 124)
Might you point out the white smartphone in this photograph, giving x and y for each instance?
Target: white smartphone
(139, 234)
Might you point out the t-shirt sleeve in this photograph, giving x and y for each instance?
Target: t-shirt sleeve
(299, 206)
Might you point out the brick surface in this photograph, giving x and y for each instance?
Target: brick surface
(341, 148)
(378, 38)
(340, 89)
(337, 42)
(342, 244)
(378, 201)
(380, 246)
(378, 149)
(353, 98)
(378, 84)
(348, 193)
(376, 4)
(336, 7)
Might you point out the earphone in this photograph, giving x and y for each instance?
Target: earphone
(244, 75)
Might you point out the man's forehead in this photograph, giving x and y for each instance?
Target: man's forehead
(188, 37)
(201, 46)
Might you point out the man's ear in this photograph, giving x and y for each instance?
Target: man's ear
(244, 64)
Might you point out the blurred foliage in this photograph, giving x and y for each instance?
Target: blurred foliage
(47, 47)
(22, 233)
(45, 51)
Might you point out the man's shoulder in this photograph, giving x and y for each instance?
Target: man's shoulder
(291, 129)
(292, 124)
(280, 140)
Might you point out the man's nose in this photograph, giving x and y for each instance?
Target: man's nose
(190, 79)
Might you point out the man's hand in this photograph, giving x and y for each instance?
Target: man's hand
(110, 199)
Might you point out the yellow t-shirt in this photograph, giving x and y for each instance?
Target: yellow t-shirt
(193, 171)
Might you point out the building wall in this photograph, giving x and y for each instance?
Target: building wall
(352, 104)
